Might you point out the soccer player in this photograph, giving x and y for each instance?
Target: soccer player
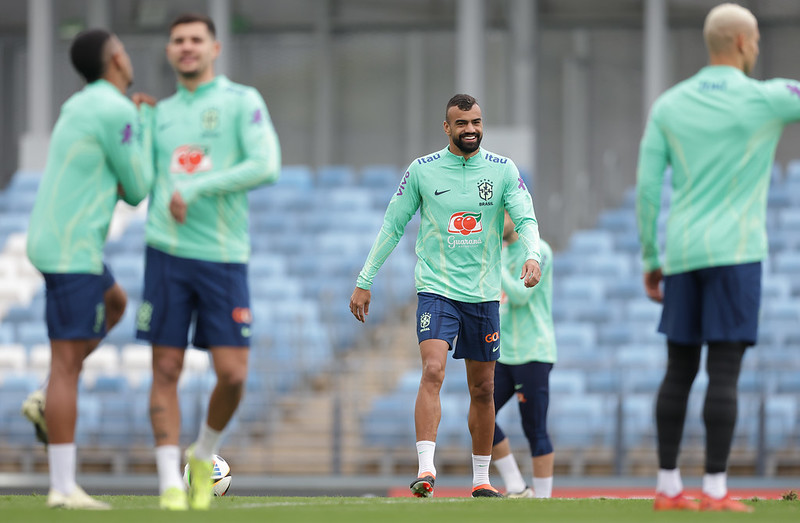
(718, 131)
(526, 359)
(96, 157)
(213, 141)
(461, 192)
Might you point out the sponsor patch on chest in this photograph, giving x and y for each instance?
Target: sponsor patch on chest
(190, 159)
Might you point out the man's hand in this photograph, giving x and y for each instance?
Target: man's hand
(143, 98)
(531, 273)
(652, 285)
(359, 303)
(177, 207)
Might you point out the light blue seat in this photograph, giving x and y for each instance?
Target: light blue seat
(383, 177)
(332, 176)
(592, 242)
(296, 176)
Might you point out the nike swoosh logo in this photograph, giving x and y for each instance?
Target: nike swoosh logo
(437, 193)
(496, 349)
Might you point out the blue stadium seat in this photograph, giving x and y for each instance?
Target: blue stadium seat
(382, 177)
(333, 176)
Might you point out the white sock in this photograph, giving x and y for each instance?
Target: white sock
(425, 452)
(62, 458)
(543, 487)
(669, 482)
(207, 443)
(480, 470)
(715, 485)
(509, 471)
(168, 464)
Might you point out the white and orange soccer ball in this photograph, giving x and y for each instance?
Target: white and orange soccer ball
(220, 476)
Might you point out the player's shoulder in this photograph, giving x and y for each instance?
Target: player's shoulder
(236, 90)
(494, 159)
(428, 160)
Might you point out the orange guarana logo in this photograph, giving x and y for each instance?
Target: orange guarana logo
(242, 315)
(492, 337)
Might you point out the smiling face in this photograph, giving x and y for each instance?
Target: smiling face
(191, 51)
(465, 130)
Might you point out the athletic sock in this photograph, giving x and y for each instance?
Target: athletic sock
(207, 443)
(509, 472)
(543, 487)
(425, 452)
(61, 459)
(715, 485)
(168, 464)
(669, 482)
(480, 470)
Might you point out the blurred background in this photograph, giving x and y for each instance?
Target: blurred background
(356, 90)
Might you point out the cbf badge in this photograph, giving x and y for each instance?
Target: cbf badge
(424, 321)
(485, 192)
(210, 119)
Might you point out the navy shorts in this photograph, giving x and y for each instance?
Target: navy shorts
(531, 384)
(182, 292)
(713, 304)
(477, 325)
(74, 304)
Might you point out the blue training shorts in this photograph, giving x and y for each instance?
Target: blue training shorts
(717, 304)
(179, 292)
(74, 304)
(531, 384)
(477, 325)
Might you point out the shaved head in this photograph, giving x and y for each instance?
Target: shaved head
(724, 23)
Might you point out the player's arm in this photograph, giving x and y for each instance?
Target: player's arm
(519, 204)
(127, 142)
(401, 209)
(653, 160)
(784, 97)
(261, 163)
(516, 292)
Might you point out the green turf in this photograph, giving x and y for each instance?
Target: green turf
(233, 509)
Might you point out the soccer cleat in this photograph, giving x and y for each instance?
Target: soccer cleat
(679, 502)
(200, 486)
(485, 491)
(726, 504)
(33, 409)
(422, 487)
(525, 493)
(174, 498)
(78, 500)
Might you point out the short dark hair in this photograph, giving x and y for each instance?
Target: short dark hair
(86, 53)
(462, 101)
(190, 18)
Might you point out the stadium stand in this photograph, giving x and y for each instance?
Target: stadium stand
(312, 362)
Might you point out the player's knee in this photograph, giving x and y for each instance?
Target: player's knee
(167, 370)
(433, 373)
(540, 444)
(232, 378)
(483, 391)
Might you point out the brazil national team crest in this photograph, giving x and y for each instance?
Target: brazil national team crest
(425, 322)
(485, 192)
(190, 159)
(210, 119)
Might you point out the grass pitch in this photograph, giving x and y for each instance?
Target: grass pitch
(246, 509)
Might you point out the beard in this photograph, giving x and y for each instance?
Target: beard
(467, 148)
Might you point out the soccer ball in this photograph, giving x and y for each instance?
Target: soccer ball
(220, 476)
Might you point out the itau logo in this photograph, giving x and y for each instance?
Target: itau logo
(465, 223)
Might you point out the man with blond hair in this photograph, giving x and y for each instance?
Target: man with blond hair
(718, 131)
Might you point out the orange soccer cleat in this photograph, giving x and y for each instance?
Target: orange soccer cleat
(726, 504)
(679, 502)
